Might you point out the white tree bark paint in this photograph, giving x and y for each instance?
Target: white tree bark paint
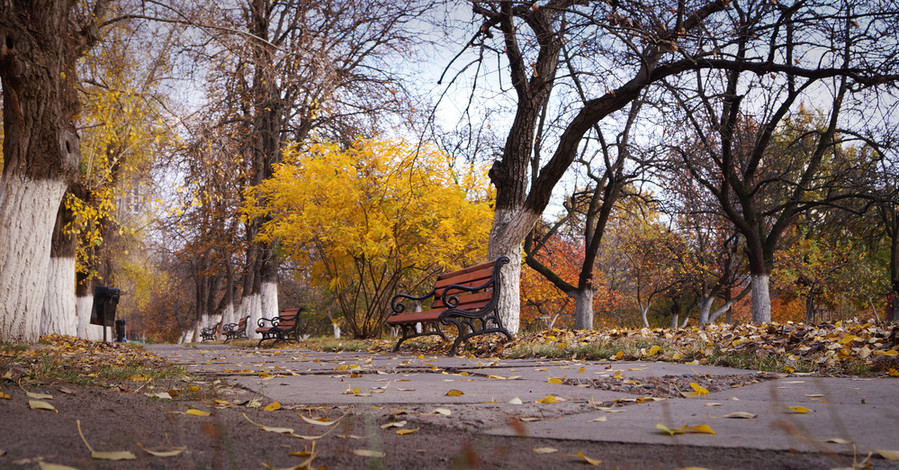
(83, 312)
(268, 299)
(27, 216)
(228, 314)
(59, 315)
(506, 235)
(583, 309)
(252, 305)
(761, 299)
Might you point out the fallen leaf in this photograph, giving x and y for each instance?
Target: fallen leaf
(269, 428)
(273, 406)
(654, 350)
(799, 409)
(698, 390)
(403, 432)
(548, 399)
(39, 396)
(393, 424)
(369, 453)
(588, 460)
(163, 453)
(888, 454)
(740, 415)
(161, 395)
(529, 419)
(114, 455)
(837, 440)
(601, 419)
(323, 421)
(53, 466)
(41, 405)
(196, 412)
(702, 429)
(254, 403)
(454, 393)
(545, 450)
(5, 396)
(670, 431)
(441, 411)
(555, 380)
(515, 401)
(711, 403)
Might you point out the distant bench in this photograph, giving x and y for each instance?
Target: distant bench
(466, 298)
(210, 332)
(236, 330)
(284, 327)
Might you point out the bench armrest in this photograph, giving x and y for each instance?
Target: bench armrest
(273, 321)
(397, 305)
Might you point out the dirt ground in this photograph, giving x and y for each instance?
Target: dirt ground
(113, 420)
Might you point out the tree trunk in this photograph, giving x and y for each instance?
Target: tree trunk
(508, 232)
(38, 53)
(583, 308)
(761, 299)
(59, 315)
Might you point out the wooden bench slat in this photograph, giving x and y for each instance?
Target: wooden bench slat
(406, 317)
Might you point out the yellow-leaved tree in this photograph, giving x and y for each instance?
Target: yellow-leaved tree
(373, 218)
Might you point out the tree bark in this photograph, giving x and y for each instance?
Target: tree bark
(59, 315)
(38, 52)
(583, 308)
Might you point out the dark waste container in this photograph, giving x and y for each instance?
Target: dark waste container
(106, 299)
(119, 331)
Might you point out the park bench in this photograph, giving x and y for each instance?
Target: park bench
(210, 332)
(236, 330)
(284, 327)
(466, 298)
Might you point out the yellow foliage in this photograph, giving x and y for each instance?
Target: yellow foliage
(366, 217)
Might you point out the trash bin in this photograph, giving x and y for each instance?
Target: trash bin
(120, 331)
(106, 299)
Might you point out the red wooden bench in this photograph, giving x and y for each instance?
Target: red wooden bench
(466, 298)
(284, 327)
(210, 332)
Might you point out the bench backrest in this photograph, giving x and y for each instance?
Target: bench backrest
(288, 317)
(472, 276)
(242, 324)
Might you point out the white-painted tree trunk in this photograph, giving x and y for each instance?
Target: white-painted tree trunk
(252, 305)
(506, 235)
(268, 300)
(643, 315)
(583, 309)
(59, 315)
(27, 216)
(761, 299)
(705, 309)
(83, 312)
(228, 315)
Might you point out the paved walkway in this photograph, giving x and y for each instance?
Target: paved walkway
(841, 411)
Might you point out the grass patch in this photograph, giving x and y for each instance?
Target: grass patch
(770, 362)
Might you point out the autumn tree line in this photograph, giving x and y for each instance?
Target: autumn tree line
(652, 163)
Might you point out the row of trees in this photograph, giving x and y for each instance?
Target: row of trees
(752, 126)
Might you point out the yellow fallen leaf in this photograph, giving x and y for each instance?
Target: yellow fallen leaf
(498, 377)
(893, 372)
(555, 380)
(115, 455)
(273, 406)
(588, 460)
(5, 396)
(702, 428)
(888, 454)
(670, 431)
(441, 411)
(193, 388)
(515, 401)
(454, 393)
(698, 390)
(582, 370)
(548, 399)
(164, 453)
(891, 353)
(369, 453)
(305, 452)
(41, 405)
(323, 421)
(39, 396)
(799, 409)
(403, 432)
(545, 450)
(464, 374)
(196, 412)
(654, 350)
(254, 403)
